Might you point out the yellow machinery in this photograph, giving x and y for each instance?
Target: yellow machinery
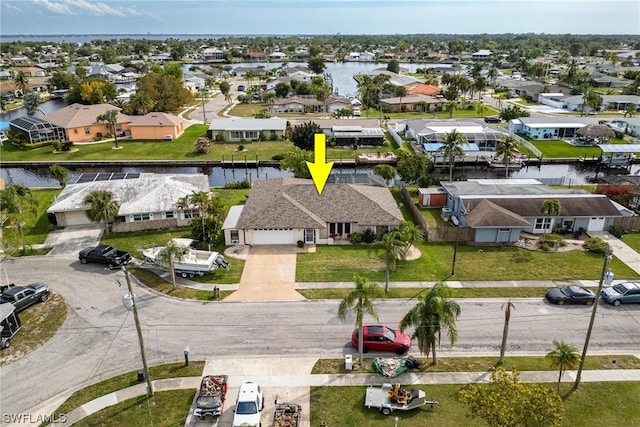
(399, 395)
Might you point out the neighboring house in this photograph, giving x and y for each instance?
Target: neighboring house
(296, 104)
(609, 102)
(434, 131)
(36, 130)
(29, 71)
(239, 130)
(499, 210)
(548, 127)
(285, 210)
(156, 126)
(277, 56)
(212, 54)
(81, 125)
(412, 103)
(423, 89)
(345, 131)
(147, 201)
(481, 55)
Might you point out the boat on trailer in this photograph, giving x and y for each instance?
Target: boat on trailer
(193, 262)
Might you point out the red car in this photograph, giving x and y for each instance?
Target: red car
(383, 338)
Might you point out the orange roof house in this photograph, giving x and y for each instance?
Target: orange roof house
(81, 124)
(422, 89)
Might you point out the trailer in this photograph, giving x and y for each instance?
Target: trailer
(9, 324)
(287, 415)
(389, 398)
(211, 396)
(191, 262)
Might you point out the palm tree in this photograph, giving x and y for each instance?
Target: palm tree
(172, 252)
(411, 233)
(507, 148)
(142, 101)
(21, 81)
(111, 118)
(60, 174)
(629, 111)
(550, 207)
(563, 356)
(452, 148)
(430, 316)
(450, 107)
(394, 247)
(16, 202)
(591, 99)
(102, 207)
(360, 299)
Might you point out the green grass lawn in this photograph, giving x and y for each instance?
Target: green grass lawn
(36, 225)
(339, 263)
(557, 149)
(633, 240)
(593, 404)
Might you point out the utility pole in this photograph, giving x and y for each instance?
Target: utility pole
(139, 331)
(204, 114)
(604, 276)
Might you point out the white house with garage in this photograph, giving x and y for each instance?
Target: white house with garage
(283, 211)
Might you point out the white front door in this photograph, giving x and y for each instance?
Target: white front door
(309, 235)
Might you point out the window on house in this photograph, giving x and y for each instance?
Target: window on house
(542, 223)
(169, 214)
(235, 236)
(140, 217)
(236, 134)
(75, 130)
(87, 131)
(191, 213)
(251, 134)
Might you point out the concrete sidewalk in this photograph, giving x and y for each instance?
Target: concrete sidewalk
(288, 386)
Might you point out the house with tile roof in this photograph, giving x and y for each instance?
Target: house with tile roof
(147, 201)
(283, 211)
(239, 129)
(81, 125)
(498, 210)
(156, 126)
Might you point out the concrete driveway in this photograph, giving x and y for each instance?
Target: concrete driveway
(66, 243)
(269, 275)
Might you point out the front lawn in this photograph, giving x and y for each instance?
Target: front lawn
(556, 149)
(633, 240)
(340, 262)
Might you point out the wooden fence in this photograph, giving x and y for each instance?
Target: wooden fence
(629, 223)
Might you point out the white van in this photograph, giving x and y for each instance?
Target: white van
(248, 406)
(356, 111)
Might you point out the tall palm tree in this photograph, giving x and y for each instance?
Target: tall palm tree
(506, 149)
(21, 81)
(16, 202)
(430, 316)
(591, 99)
(629, 111)
(360, 299)
(171, 253)
(142, 101)
(102, 207)
(563, 356)
(550, 207)
(111, 118)
(411, 233)
(394, 247)
(452, 147)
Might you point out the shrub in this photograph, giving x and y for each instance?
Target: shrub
(553, 239)
(368, 236)
(39, 144)
(617, 231)
(300, 243)
(237, 185)
(596, 245)
(355, 238)
(277, 157)
(219, 138)
(545, 246)
(66, 145)
(202, 145)
(274, 137)
(240, 147)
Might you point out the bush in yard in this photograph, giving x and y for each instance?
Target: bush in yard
(240, 147)
(237, 185)
(368, 236)
(219, 138)
(596, 245)
(202, 145)
(617, 231)
(277, 157)
(355, 238)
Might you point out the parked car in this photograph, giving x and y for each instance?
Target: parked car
(492, 119)
(240, 88)
(570, 295)
(104, 254)
(24, 296)
(383, 338)
(622, 293)
(248, 406)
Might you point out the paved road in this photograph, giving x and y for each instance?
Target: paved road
(98, 339)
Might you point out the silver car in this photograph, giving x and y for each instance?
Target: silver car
(622, 293)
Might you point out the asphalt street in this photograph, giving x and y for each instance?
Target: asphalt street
(98, 339)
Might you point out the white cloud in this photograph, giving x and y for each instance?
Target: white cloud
(84, 7)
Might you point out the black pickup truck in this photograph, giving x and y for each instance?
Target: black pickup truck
(104, 254)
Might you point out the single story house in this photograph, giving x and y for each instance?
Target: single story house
(609, 102)
(423, 89)
(157, 126)
(344, 131)
(283, 211)
(499, 210)
(296, 104)
(238, 129)
(147, 201)
(81, 125)
(416, 102)
(477, 132)
(548, 127)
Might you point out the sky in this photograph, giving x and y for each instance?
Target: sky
(22, 17)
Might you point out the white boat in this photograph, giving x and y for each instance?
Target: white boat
(192, 262)
(377, 158)
(514, 163)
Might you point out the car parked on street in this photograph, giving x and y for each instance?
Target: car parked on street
(492, 119)
(382, 338)
(24, 296)
(104, 254)
(248, 406)
(570, 295)
(622, 293)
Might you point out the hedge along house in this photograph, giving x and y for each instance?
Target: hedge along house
(284, 211)
(240, 130)
(499, 210)
(36, 130)
(156, 126)
(147, 201)
(81, 124)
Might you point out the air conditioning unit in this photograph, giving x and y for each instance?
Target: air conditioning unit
(235, 241)
(168, 137)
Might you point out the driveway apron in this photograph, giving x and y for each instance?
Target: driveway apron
(621, 250)
(269, 275)
(67, 242)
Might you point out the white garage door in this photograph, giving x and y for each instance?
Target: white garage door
(273, 237)
(76, 218)
(596, 224)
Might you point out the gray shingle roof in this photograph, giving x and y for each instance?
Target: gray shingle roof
(295, 203)
(488, 214)
(588, 205)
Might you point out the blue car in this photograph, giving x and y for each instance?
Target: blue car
(622, 293)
